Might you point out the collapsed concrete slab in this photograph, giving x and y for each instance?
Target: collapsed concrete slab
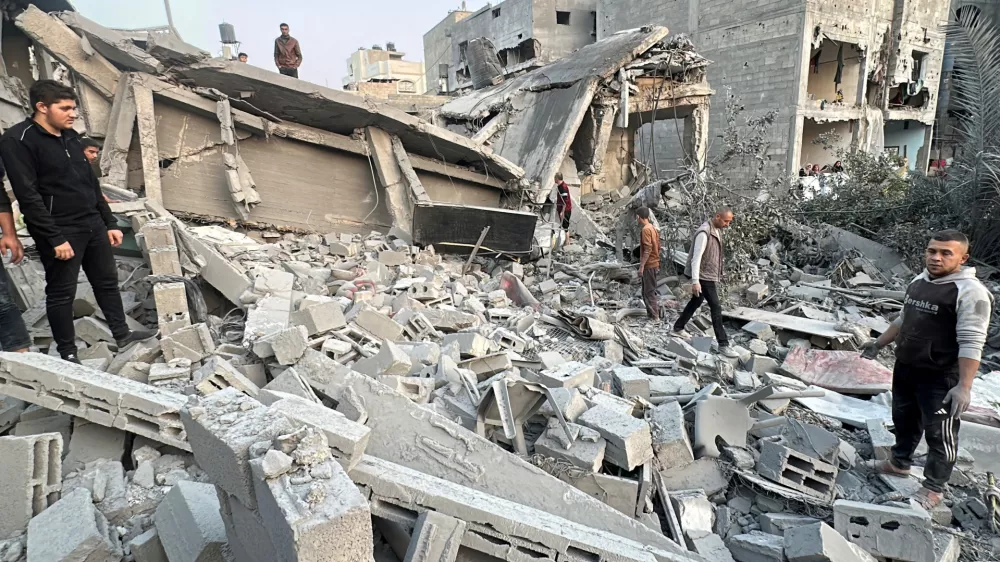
(818, 542)
(422, 440)
(436, 538)
(72, 529)
(348, 439)
(32, 479)
(886, 531)
(112, 44)
(495, 525)
(104, 399)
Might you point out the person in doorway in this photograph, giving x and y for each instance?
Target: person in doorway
(13, 333)
(243, 57)
(939, 342)
(564, 204)
(838, 167)
(287, 53)
(66, 214)
(705, 268)
(649, 262)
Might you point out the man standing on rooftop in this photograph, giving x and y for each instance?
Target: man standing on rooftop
(287, 53)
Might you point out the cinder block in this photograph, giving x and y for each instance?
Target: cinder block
(756, 293)
(681, 348)
(320, 318)
(436, 538)
(885, 531)
(221, 374)
(882, 439)
(470, 344)
(91, 442)
(631, 381)
(289, 344)
(568, 375)
(72, 530)
(31, 469)
(347, 438)
(757, 547)
(797, 471)
(379, 325)
(193, 342)
(390, 360)
(569, 401)
(671, 444)
(290, 382)
(245, 531)
(171, 307)
(583, 454)
(818, 542)
(189, 523)
(148, 548)
(222, 428)
(623, 432)
(778, 523)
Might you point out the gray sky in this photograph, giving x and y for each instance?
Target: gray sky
(329, 30)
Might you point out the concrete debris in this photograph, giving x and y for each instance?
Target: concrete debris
(330, 382)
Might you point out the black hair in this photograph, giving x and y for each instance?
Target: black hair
(49, 92)
(951, 235)
(89, 142)
(283, 25)
(243, 55)
(643, 212)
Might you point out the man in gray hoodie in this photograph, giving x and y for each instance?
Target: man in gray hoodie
(939, 342)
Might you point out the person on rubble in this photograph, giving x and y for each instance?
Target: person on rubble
(91, 149)
(13, 333)
(287, 53)
(66, 214)
(705, 268)
(243, 57)
(939, 338)
(564, 205)
(649, 262)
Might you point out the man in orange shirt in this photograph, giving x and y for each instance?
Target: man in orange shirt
(649, 262)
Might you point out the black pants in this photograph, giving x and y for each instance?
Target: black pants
(710, 293)
(92, 253)
(293, 72)
(13, 334)
(918, 410)
(649, 294)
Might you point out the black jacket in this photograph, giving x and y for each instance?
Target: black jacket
(54, 184)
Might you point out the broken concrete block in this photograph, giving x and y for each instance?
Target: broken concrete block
(379, 325)
(569, 401)
(812, 441)
(220, 374)
(695, 513)
(172, 309)
(470, 344)
(189, 524)
(222, 430)
(886, 531)
(10, 412)
(681, 348)
(417, 389)
(745, 382)
(571, 374)
(32, 479)
(390, 360)
(548, 286)
(818, 542)
(757, 547)
(72, 529)
(761, 365)
(162, 372)
(629, 439)
(671, 445)
(90, 442)
(193, 342)
(631, 381)
(147, 547)
(759, 330)
(704, 474)
(451, 321)
(882, 439)
(290, 382)
(436, 538)
(320, 318)
(717, 417)
(106, 482)
(797, 471)
(583, 454)
(778, 523)
(618, 493)
(321, 518)
(289, 344)
(711, 547)
(92, 330)
(756, 293)
(347, 438)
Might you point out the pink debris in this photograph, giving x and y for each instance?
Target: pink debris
(840, 371)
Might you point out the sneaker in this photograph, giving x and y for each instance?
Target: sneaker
(134, 336)
(728, 351)
(683, 334)
(72, 358)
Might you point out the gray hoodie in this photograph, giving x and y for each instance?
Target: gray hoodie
(943, 319)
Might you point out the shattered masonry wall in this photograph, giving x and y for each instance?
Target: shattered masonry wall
(437, 49)
(450, 190)
(757, 57)
(524, 20)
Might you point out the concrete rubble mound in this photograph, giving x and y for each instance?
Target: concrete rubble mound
(440, 378)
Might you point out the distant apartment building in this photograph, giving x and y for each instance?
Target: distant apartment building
(385, 66)
(437, 51)
(866, 70)
(526, 34)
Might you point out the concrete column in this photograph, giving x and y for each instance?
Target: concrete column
(143, 99)
(696, 136)
(924, 154)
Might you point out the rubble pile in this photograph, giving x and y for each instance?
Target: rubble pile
(362, 396)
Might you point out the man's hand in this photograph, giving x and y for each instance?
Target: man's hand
(870, 349)
(642, 269)
(959, 398)
(696, 289)
(10, 243)
(115, 237)
(64, 252)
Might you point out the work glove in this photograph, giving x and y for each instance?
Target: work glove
(959, 399)
(870, 349)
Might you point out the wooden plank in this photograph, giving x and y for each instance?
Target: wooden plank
(786, 322)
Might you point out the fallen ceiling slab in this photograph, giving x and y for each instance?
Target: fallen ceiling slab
(786, 322)
(341, 112)
(456, 228)
(113, 45)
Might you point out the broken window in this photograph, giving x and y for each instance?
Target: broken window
(919, 61)
(463, 49)
(496, 13)
(822, 141)
(406, 87)
(562, 18)
(834, 72)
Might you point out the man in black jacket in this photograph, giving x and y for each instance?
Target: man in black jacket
(66, 214)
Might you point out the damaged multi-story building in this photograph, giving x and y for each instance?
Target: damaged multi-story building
(378, 68)
(525, 34)
(867, 71)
